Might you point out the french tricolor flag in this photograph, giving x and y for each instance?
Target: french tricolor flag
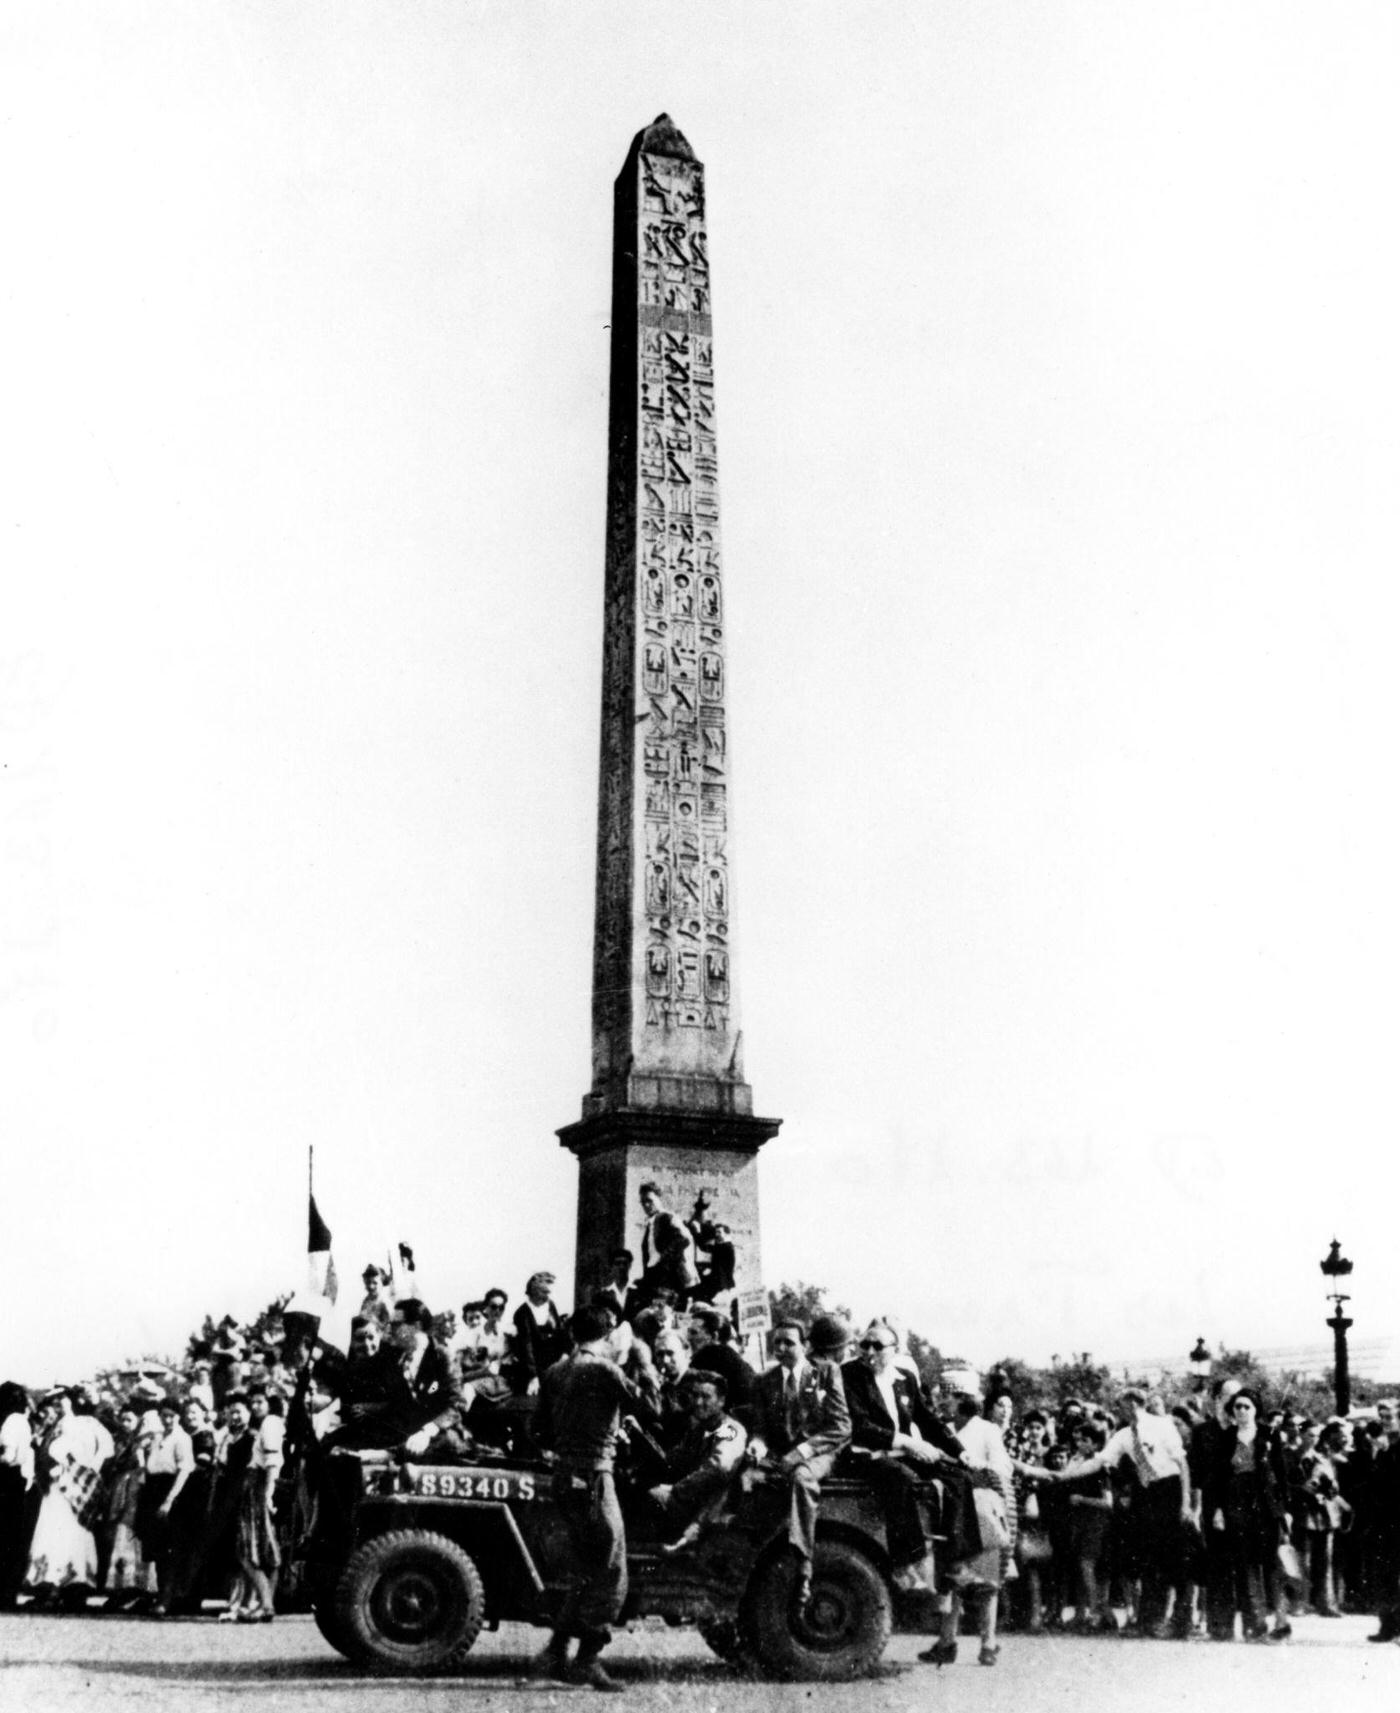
(320, 1266)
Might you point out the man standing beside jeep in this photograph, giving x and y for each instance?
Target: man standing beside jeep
(581, 1404)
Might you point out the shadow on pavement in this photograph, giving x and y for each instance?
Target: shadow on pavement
(489, 1673)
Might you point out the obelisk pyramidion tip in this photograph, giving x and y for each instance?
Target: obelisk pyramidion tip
(663, 137)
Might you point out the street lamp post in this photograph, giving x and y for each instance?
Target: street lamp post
(1200, 1365)
(1336, 1267)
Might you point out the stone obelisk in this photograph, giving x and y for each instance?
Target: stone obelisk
(669, 1101)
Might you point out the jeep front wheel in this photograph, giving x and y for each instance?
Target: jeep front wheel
(324, 1614)
(408, 1601)
(839, 1632)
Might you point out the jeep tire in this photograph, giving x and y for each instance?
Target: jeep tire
(842, 1630)
(407, 1601)
(324, 1614)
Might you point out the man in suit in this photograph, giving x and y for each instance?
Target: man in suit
(670, 1416)
(802, 1423)
(668, 1249)
(427, 1402)
(896, 1440)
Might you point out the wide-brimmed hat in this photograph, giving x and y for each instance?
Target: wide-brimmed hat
(829, 1334)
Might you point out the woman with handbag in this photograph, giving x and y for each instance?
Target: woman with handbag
(63, 1552)
(1245, 1500)
(980, 1575)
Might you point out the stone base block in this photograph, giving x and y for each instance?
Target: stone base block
(682, 1152)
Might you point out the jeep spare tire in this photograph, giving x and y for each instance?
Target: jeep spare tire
(408, 1601)
(839, 1632)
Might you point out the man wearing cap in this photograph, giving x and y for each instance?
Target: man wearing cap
(802, 1423)
(582, 1400)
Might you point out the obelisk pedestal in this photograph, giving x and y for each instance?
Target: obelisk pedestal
(669, 1101)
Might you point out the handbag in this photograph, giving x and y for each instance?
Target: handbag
(1033, 1546)
(992, 1527)
(1290, 1565)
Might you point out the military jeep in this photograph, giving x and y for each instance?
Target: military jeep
(408, 1561)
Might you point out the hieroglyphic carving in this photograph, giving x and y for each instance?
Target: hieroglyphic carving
(665, 688)
(686, 897)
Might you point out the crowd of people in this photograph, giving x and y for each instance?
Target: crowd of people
(1219, 1516)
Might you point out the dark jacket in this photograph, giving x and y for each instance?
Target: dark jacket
(1268, 1484)
(434, 1395)
(668, 1253)
(871, 1428)
(821, 1420)
(534, 1349)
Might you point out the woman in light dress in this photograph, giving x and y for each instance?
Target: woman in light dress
(979, 1578)
(63, 1552)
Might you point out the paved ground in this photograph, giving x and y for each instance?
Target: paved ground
(64, 1663)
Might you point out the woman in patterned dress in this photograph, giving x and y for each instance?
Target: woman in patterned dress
(63, 1553)
(259, 1556)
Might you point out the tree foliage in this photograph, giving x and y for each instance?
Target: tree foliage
(803, 1302)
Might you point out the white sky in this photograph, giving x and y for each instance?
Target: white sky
(1057, 375)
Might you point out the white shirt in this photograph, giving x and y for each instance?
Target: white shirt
(268, 1436)
(621, 1342)
(17, 1445)
(171, 1453)
(84, 1439)
(985, 1447)
(1152, 1445)
(884, 1385)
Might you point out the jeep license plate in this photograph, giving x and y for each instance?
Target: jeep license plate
(471, 1484)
